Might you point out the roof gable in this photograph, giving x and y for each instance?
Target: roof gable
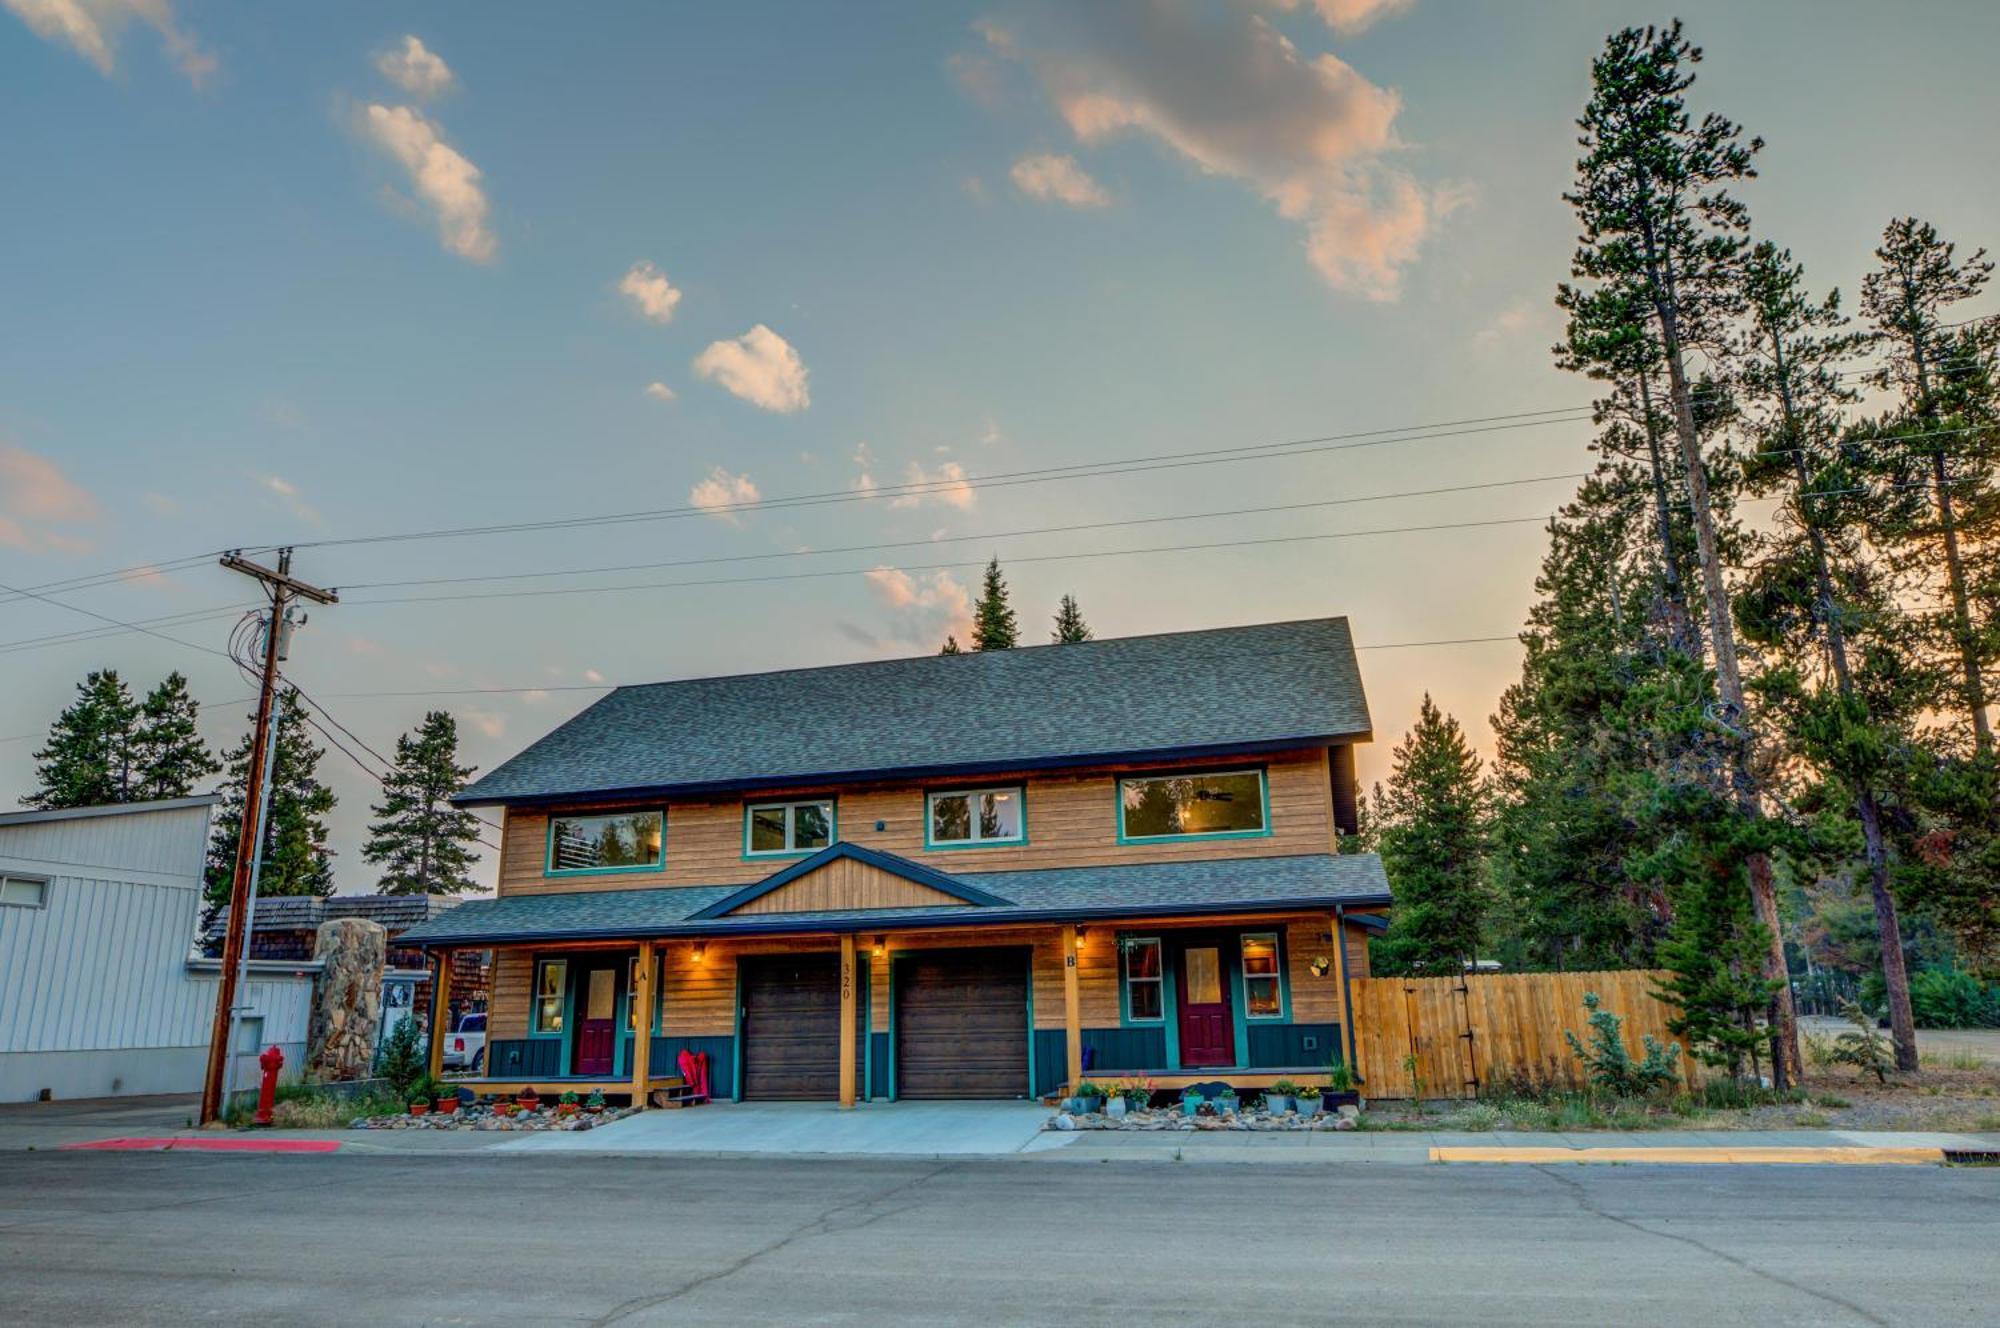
(848, 878)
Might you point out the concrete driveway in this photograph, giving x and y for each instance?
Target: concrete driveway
(910, 1129)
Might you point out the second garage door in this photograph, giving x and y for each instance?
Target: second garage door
(962, 1024)
(791, 1027)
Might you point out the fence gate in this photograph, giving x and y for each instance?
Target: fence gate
(1446, 1037)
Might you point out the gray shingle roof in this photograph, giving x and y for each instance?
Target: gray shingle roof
(1317, 880)
(1232, 688)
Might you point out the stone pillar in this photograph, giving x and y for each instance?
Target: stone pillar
(347, 999)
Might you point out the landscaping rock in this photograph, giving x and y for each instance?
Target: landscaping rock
(483, 1117)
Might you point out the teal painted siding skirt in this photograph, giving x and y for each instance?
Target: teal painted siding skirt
(1111, 1052)
(666, 1060)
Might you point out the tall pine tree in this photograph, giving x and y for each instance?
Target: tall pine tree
(88, 759)
(1070, 626)
(1433, 829)
(296, 858)
(424, 844)
(168, 755)
(994, 626)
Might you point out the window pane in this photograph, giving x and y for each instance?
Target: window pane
(1142, 959)
(951, 818)
(812, 824)
(581, 843)
(548, 1015)
(767, 830)
(550, 981)
(603, 994)
(1260, 995)
(1146, 1000)
(1204, 976)
(1194, 804)
(549, 997)
(1260, 954)
(25, 893)
(1000, 814)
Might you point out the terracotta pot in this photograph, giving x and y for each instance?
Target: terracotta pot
(420, 1108)
(447, 1106)
(566, 1109)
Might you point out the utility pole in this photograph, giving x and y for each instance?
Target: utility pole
(282, 587)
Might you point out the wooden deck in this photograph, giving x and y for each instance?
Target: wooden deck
(551, 1088)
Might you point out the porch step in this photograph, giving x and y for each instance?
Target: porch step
(676, 1095)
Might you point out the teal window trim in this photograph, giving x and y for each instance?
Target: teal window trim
(1263, 792)
(535, 1028)
(1284, 1013)
(659, 992)
(932, 845)
(867, 1039)
(549, 867)
(895, 967)
(736, 1040)
(1031, 1025)
(770, 854)
(1125, 1015)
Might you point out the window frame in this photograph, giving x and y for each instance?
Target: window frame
(22, 878)
(561, 998)
(1263, 799)
(750, 809)
(549, 867)
(935, 845)
(1277, 975)
(1125, 980)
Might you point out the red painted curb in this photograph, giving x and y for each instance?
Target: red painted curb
(205, 1146)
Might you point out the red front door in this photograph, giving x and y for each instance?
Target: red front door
(596, 1030)
(1208, 1037)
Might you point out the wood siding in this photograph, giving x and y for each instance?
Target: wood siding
(847, 884)
(1071, 817)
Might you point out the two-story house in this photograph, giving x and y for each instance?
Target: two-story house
(963, 876)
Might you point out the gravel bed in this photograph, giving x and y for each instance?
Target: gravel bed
(485, 1118)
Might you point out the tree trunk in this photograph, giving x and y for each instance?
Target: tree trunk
(1680, 627)
(1895, 973)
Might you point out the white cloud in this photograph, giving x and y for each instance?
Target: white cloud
(288, 494)
(1057, 177)
(592, 675)
(39, 504)
(650, 292)
(1511, 324)
(946, 485)
(761, 367)
(416, 69)
(722, 492)
(444, 179)
(925, 609)
(91, 29)
(1346, 16)
(1236, 99)
(489, 723)
(661, 392)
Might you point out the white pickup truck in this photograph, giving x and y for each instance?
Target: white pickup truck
(465, 1046)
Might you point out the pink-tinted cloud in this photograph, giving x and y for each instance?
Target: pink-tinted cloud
(40, 507)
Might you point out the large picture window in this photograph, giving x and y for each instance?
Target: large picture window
(550, 977)
(1190, 806)
(616, 841)
(977, 816)
(1263, 995)
(772, 828)
(1145, 995)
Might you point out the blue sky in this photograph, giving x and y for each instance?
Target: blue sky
(278, 274)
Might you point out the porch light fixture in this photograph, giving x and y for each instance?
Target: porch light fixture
(881, 946)
(700, 951)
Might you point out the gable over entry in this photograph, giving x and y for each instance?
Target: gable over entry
(848, 878)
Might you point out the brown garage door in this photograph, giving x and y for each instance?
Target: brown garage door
(791, 1027)
(962, 1024)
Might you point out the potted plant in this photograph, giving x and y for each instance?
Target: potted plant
(1340, 1090)
(447, 1102)
(1191, 1101)
(1225, 1102)
(1278, 1097)
(528, 1098)
(1308, 1101)
(420, 1106)
(1138, 1094)
(1088, 1098)
(1114, 1102)
(566, 1105)
(594, 1104)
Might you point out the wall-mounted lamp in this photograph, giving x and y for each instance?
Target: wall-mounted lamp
(881, 946)
(700, 951)
(1319, 965)
(1081, 932)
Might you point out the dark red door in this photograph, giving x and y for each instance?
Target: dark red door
(1208, 1037)
(596, 1028)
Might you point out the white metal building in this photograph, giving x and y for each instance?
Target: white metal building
(98, 993)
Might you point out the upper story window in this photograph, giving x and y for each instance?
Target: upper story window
(614, 841)
(976, 817)
(774, 828)
(1197, 806)
(24, 891)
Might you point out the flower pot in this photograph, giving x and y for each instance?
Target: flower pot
(1087, 1105)
(1191, 1106)
(420, 1108)
(565, 1109)
(1331, 1099)
(1226, 1105)
(1308, 1106)
(1115, 1108)
(1277, 1104)
(447, 1106)
(594, 1111)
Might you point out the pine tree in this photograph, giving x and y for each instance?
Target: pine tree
(1433, 838)
(951, 646)
(994, 626)
(1661, 231)
(88, 759)
(296, 859)
(1070, 626)
(168, 756)
(424, 843)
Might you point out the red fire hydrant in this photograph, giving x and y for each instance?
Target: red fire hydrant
(273, 1061)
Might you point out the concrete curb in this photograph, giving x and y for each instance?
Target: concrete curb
(1843, 1157)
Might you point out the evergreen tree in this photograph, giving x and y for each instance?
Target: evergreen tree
(951, 647)
(1070, 626)
(88, 761)
(296, 859)
(423, 842)
(1433, 838)
(1662, 234)
(168, 756)
(994, 626)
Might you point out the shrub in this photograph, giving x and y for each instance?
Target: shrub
(400, 1060)
(1863, 1045)
(1940, 998)
(1480, 1116)
(1611, 1066)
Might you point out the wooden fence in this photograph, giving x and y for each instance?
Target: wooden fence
(1468, 1034)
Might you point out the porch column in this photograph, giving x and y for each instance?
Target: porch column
(643, 1005)
(440, 1012)
(849, 1009)
(1346, 999)
(1072, 1009)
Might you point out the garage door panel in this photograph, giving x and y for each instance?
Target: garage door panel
(791, 1027)
(962, 1025)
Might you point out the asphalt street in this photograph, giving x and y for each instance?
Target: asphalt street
(180, 1238)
